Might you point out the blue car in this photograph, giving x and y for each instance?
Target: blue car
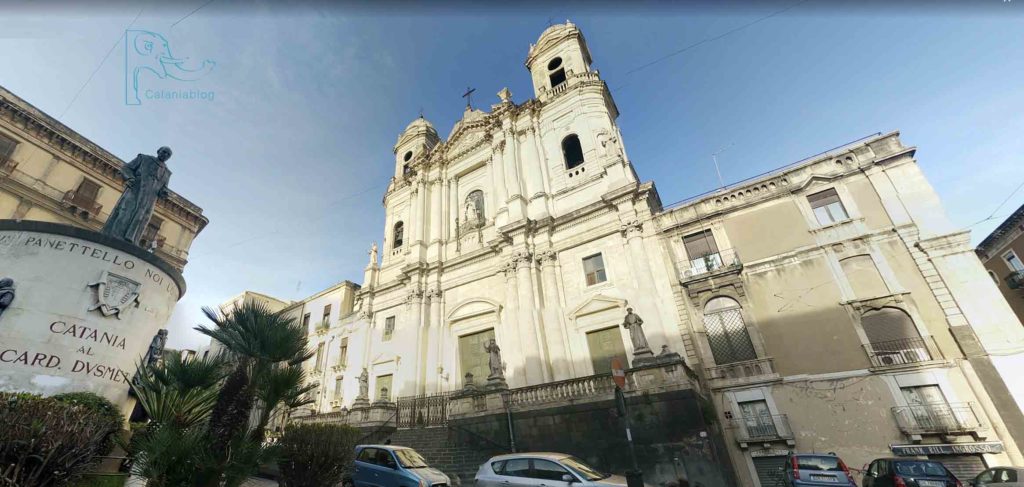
(393, 466)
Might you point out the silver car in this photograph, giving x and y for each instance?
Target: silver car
(542, 470)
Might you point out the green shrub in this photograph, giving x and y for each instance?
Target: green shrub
(45, 442)
(314, 455)
(102, 480)
(99, 404)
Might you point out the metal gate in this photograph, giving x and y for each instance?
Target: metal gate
(422, 411)
(770, 471)
(965, 467)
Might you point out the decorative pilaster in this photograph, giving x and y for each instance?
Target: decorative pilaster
(496, 168)
(536, 196)
(515, 192)
(632, 231)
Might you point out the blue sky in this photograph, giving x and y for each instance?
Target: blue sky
(291, 157)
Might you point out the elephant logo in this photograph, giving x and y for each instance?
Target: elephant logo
(149, 51)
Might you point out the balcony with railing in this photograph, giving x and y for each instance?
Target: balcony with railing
(720, 262)
(1015, 280)
(741, 372)
(594, 386)
(938, 418)
(81, 206)
(904, 351)
(761, 429)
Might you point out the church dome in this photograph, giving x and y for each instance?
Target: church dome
(551, 37)
(420, 128)
(420, 123)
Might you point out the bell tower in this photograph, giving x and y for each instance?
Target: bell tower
(560, 52)
(418, 138)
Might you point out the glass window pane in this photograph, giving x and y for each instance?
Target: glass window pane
(547, 470)
(822, 215)
(517, 467)
(837, 211)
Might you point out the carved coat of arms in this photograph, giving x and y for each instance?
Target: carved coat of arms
(114, 294)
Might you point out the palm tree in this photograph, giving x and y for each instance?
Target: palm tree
(258, 341)
(284, 386)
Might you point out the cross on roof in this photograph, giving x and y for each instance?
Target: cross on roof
(468, 95)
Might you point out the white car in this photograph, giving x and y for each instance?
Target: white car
(542, 470)
(1000, 476)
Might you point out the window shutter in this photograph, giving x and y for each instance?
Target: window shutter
(700, 244)
(823, 198)
(7, 146)
(888, 324)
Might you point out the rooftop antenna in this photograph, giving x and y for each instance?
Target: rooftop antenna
(714, 157)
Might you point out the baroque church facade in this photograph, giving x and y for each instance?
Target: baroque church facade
(828, 305)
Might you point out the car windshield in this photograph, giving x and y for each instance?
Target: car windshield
(584, 470)
(931, 469)
(826, 463)
(408, 458)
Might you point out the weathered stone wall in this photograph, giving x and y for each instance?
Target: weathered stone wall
(671, 439)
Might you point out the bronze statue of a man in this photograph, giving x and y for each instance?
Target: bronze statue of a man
(146, 179)
(156, 348)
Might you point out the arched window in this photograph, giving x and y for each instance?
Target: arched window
(556, 73)
(398, 235)
(572, 151)
(893, 338)
(473, 209)
(727, 333)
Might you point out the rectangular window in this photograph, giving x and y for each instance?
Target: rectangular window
(827, 207)
(384, 390)
(593, 268)
(928, 408)
(150, 234)
(319, 356)
(326, 319)
(702, 251)
(88, 190)
(338, 387)
(343, 353)
(389, 328)
(7, 146)
(604, 346)
(757, 419)
(1014, 262)
(472, 356)
(305, 321)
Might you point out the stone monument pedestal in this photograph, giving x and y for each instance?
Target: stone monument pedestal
(85, 310)
(496, 383)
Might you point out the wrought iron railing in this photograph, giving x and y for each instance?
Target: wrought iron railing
(423, 411)
(1015, 280)
(563, 390)
(87, 207)
(937, 418)
(723, 260)
(898, 352)
(747, 369)
(761, 428)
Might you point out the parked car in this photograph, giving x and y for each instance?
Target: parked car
(906, 472)
(542, 470)
(817, 469)
(393, 466)
(1001, 476)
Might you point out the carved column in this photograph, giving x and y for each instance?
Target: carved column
(453, 206)
(498, 180)
(533, 347)
(535, 194)
(515, 357)
(434, 210)
(432, 343)
(515, 193)
(558, 354)
(414, 303)
(421, 210)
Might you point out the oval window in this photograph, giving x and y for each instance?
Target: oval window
(555, 63)
(408, 155)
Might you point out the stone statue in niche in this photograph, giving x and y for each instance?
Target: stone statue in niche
(145, 180)
(634, 324)
(474, 210)
(6, 294)
(608, 144)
